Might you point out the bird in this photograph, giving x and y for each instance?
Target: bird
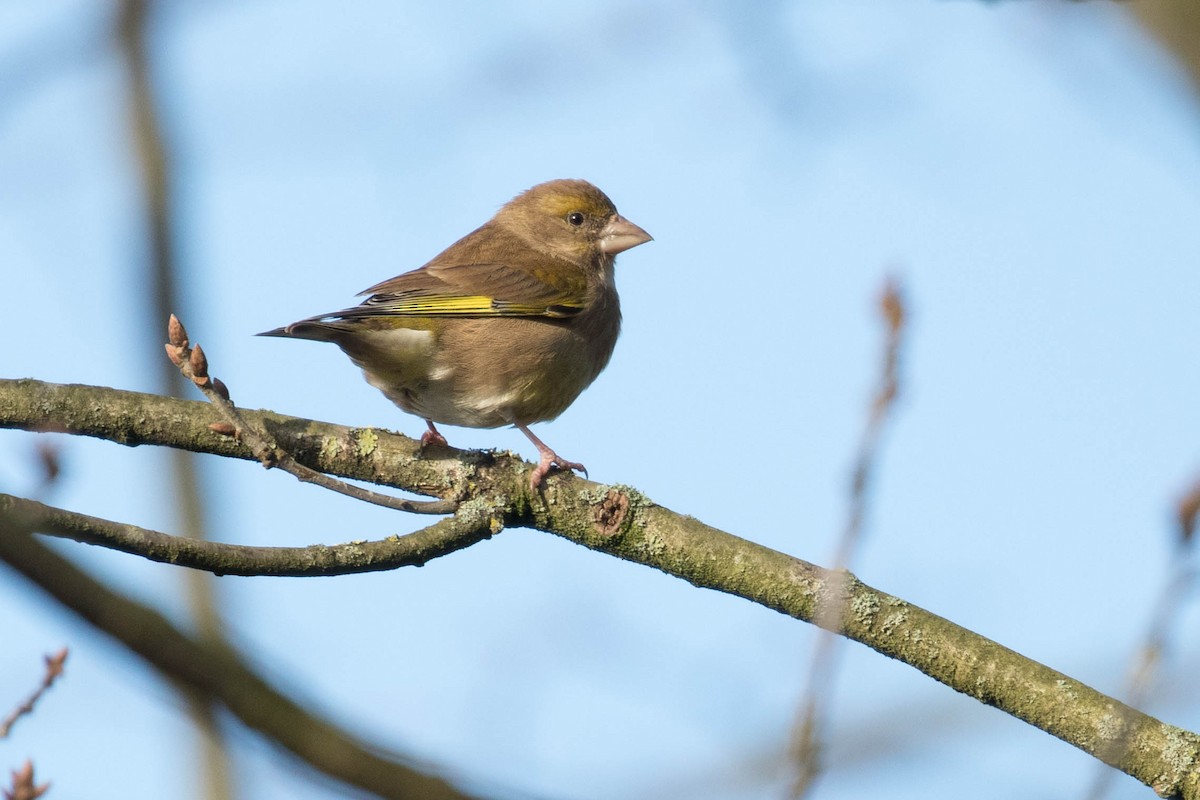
(507, 326)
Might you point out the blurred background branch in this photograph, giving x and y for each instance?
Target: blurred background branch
(1176, 595)
(213, 672)
(53, 671)
(133, 23)
(810, 729)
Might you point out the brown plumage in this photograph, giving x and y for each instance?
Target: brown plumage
(505, 327)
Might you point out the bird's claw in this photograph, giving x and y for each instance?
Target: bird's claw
(549, 461)
(432, 437)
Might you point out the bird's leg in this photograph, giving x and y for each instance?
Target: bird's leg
(549, 459)
(432, 436)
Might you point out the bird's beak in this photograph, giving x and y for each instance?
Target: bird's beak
(620, 234)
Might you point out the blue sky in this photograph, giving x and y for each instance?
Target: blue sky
(1029, 170)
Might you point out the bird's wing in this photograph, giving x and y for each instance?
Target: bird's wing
(455, 290)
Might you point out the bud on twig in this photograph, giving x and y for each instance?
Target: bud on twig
(222, 428)
(891, 304)
(23, 785)
(48, 455)
(1189, 513)
(176, 334)
(54, 664)
(175, 353)
(221, 389)
(199, 365)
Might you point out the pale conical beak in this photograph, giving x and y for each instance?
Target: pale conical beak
(620, 234)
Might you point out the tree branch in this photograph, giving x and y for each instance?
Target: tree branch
(621, 522)
(474, 523)
(217, 671)
(134, 418)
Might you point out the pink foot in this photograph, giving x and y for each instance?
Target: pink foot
(548, 461)
(432, 436)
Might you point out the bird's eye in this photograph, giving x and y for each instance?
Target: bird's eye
(575, 218)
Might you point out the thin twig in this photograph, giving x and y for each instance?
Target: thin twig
(54, 669)
(24, 787)
(807, 745)
(472, 524)
(1187, 513)
(49, 459)
(193, 364)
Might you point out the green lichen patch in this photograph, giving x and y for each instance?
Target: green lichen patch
(365, 442)
(329, 449)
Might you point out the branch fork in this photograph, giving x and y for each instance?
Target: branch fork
(193, 364)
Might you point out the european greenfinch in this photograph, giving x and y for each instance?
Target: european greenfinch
(506, 327)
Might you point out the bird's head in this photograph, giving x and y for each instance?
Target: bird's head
(570, 219)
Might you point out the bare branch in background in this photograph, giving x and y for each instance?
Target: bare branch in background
(23, 785)
(151, 153)
(1178, 589)
(217, 673)
(49, 459)
(54, 669)
(1176, 25)
(1187, 512)
(807, 734)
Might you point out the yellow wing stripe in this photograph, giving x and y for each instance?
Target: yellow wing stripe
(474, 305)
